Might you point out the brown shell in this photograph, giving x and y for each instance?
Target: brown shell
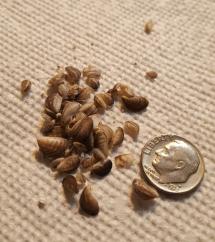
(53, 102)
(120, 90)
(118, 137)
(88, 202)
(57, 131)
(124, 161)
(73, 74)
(81, 179)
(148, 27)
(81, 129)
(93, 82)
(102, 169)
(70, 185)
(91, 71)
(52, 145)
(69, 110)
(84, 95)
(136, 103)
(131, 128)
(25, 86)
(88, 109)
(108, 132)
(103, 100)
(47, 124)
(69, 163)
(151, 75)
(144, 190)
(101, 141)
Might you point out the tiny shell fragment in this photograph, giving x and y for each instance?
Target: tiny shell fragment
(148, 27)
(25, 86)
(131, 128)
(81, 179)
(124, 161)
(101, 141)
(88, 202)
(144, 190)
(151, 75)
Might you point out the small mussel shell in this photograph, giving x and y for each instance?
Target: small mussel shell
(52, 145)
(25, 86)
(88, 109)
(101, 141)
(79, 147)
(53, 102)
(136, 103)
(108, 132)
(69, 110)
(91, 71)
(47, 124)
(144, 190)
(58, 78)
(69, 163)
(81, 129)
(93, 82)
(102, 169)
(118, 137)
(131, 128)
(103, 100)
(88, 202)
(87, 162)
(73, 74)
(120, 90)
(81, 179)
(70, 185)
(124, 161)
(84, 94)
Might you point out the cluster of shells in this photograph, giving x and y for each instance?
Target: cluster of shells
(71, 142)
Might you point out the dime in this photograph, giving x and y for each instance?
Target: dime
(172, 164)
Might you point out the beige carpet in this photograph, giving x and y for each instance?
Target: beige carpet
(35, 37)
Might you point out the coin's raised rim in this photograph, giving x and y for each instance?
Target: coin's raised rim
(166, 190)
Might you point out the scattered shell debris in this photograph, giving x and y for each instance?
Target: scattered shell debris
(72, 141)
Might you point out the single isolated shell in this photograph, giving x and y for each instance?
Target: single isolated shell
(53, 102)
(151, 75)
(103, 100)
(107, 130)
(144, 190)
(88, 202)
(25, 86)
(73, 74)
(148, 27)
(81, 129)
(124, 161)
(101, 141)
(69, 110)
(88, 109)
(120, 90)
(70, 185)
(118, 137)
(131, 128)
(91, 71)
(47, 124)
(84, 95)
(69, 163)
(81, 179)
(52, 145)
(57, 79)
(102, 169)
(136, 103)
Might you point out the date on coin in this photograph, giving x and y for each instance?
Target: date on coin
(172, 164)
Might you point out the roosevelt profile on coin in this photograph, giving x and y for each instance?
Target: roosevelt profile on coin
(175, 162)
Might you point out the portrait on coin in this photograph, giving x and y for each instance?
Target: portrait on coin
(175, 162)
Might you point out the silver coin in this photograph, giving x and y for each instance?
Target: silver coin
(172, 164)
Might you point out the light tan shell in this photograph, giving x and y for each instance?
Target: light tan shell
(88, 202)
(52, 145)
(25, 86)
(124, 161)
(87, 162)
(58, 78)
(81, 129)
(101, 169)
(81, 179)
(69, 163)
(103, 100)
(91, 71)
(118, 137)
(108, 132)
(57, 131)
(53, 102)
(136, 103)
(121, 89)
(88, 109)
(131, 128)
(151, 75)
(68, 91)
(70, 185)
(69, 110)
(144, 190)
(73, 74)
(101, 141)
(148, 27)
